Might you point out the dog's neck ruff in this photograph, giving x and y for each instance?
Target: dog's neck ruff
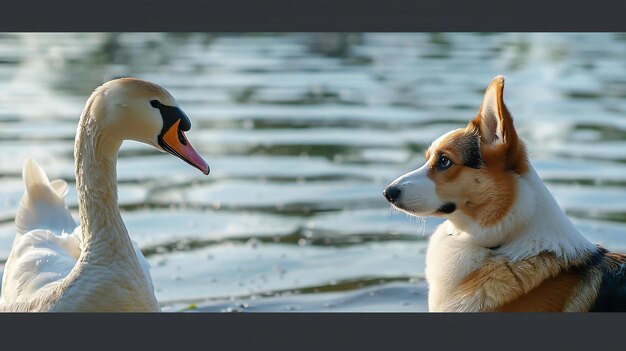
(534, 224)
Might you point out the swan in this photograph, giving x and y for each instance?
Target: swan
(57, 266)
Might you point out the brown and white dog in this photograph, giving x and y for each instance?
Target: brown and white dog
(506, 244)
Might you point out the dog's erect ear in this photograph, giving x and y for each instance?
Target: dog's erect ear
(495, 126)
(493, 119)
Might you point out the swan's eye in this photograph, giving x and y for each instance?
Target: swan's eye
(155, 103)
(443, 163)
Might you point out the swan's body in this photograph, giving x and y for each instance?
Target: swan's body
(55, 265)
(47, 247)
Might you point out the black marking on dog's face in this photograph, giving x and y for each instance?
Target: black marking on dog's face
(470, 149)
(170, 115)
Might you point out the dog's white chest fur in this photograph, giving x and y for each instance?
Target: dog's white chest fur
(448, 261)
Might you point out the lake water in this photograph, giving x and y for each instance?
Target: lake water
(302, 133)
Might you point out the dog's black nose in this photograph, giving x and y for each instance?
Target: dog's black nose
(391, 193)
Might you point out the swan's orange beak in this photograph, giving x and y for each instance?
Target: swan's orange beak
(174, 141)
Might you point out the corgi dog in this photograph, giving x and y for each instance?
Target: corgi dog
(506, 244)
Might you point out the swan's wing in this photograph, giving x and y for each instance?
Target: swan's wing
(38, 261)
(145, 266)
(43, 253)
(42, 206)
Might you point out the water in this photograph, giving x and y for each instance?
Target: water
(302, 133)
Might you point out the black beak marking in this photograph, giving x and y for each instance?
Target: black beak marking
(170, 115)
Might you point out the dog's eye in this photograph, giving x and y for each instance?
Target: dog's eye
(443, 163)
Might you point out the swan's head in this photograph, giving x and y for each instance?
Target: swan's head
(138, 110)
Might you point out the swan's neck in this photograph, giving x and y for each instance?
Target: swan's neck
(104, 235)
(107, 275)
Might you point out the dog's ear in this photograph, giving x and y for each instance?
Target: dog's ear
(495, 126)
(494, 120)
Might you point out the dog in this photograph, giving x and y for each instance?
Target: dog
(506, 244)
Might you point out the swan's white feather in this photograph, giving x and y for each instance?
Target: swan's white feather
(47, 244)
(43, 205)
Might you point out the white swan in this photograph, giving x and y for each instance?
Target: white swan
(56, 266)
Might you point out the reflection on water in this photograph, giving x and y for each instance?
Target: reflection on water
(302, 132)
